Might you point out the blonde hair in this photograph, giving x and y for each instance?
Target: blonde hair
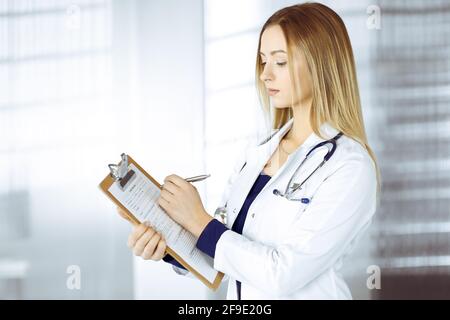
(320, 34)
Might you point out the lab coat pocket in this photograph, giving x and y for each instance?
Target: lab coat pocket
(285, 213)
(304, 217)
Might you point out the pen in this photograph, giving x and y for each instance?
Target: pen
(198, 178)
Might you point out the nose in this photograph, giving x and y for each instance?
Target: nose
(266, 74)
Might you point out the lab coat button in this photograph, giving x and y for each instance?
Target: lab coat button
(234, 210)
(253, 215)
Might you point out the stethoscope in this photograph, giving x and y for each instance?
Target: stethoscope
(289, 191)
(221, 212)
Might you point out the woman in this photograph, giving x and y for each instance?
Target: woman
(291, 246)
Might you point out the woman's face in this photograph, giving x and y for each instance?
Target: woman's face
(275, 72)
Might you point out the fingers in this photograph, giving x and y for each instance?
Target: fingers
(147, 243)
(171, 187)
(143, 242)
(136, 234)
(151, 246)
(177, 180)
(163, 203)
(160, 250)
(166, 195)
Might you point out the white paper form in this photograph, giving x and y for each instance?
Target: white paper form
(140, 196)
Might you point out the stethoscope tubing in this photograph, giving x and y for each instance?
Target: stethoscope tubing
(333, 141)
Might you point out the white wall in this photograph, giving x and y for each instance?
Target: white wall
(169, 117)
(55, 121)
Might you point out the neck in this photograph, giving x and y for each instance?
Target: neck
(301, 126)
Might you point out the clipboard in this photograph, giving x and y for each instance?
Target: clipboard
(123, 174)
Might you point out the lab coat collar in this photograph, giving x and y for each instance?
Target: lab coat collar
(326, 129)
(266, 150)
(259, 155)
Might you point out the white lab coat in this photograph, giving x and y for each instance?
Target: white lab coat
(288, 249)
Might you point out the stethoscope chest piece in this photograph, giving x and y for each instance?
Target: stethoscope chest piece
(221, 214)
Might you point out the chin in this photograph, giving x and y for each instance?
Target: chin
(281, 106)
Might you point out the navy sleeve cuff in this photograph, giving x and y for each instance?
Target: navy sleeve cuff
(169, 259)
(210, 236)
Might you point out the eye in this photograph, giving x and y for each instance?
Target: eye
(278, 64)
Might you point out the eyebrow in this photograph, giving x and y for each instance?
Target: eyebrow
(273, 52)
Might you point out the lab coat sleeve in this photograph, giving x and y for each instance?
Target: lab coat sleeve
(169, 259)
(238, 165)
(210, 236)
(341, 208)
(177, 267)
(225, 195)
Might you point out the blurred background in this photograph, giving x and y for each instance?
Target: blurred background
(172, 84)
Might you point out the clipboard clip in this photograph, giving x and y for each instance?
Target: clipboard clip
(120, 172)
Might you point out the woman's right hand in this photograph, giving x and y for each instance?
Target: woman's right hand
(145, 242)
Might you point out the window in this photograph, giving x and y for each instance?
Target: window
(55, 75)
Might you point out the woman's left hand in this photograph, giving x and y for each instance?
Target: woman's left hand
(181, 200)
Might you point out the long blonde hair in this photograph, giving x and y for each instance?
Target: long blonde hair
(320, 34)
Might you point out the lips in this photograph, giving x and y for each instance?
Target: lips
(272, 91)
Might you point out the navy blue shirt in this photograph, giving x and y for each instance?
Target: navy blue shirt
(211, 234)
